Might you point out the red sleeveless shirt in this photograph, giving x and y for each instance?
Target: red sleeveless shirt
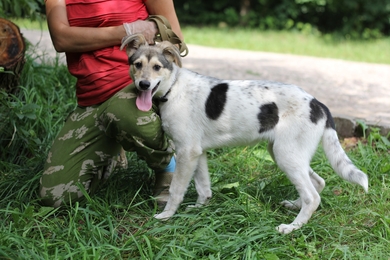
(102, 73)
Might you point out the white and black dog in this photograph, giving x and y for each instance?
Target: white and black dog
(200, 113)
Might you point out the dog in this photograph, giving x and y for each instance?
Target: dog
(201, 113)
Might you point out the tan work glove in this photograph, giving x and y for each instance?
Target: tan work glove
(147, 28)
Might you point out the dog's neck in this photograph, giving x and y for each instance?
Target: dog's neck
(164, 98)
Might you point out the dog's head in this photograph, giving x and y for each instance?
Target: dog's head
(151, 68)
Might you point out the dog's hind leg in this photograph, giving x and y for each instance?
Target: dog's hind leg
(318, 184)
(295, 163)
(308, 197)
(316, 180)
(186, 164)
(202, 181)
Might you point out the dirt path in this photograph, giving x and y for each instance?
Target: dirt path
(352, 90)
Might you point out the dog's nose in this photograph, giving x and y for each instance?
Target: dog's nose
(144, 84)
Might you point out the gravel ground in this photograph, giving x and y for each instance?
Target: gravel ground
(351, 90)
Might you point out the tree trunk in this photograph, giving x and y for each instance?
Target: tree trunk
(12, 48)
(245, 4)
(244, 9)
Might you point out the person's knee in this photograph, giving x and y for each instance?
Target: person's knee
(140, 128)
(59, 195)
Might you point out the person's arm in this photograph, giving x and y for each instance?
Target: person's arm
(165, 8)
(78, 39)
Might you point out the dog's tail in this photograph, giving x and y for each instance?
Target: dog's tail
(340, 161)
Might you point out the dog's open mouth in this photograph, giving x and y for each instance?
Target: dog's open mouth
(155, 88)
(144, 98)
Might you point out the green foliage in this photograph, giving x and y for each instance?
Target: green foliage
(356, 19)
(351, 19)
(30, 118)
(21, 8)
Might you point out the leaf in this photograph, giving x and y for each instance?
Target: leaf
(263, 155)
(364, 126)
(43, 211)
(349, 143)
(37, 141)
(19, 115)
(230, 185)
(30, 115)
(386, 168)
(16, 216)
(230, 188)
(29, 107)
(17, 9)
(386, 141)
(28, 213)
(271, 257)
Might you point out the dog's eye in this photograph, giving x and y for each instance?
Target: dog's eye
(156, 67)
(138, 65)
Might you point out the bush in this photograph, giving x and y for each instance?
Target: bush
(350, 18)
(21, 8)
(30, 118)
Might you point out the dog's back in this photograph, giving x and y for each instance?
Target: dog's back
(239, 112)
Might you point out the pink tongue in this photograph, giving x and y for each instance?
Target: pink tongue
(144, 100)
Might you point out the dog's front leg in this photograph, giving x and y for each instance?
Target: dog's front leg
(186, 163)
(202, 181)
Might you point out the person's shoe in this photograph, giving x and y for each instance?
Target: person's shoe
(163, 182)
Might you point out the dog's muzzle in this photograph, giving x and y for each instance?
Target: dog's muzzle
(144, 84)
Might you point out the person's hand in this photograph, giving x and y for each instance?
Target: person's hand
(147, 28)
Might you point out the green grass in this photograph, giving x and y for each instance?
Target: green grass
(239, 223)
(117, 223)
(299, 43)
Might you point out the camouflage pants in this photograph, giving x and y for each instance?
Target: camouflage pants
(86, 149)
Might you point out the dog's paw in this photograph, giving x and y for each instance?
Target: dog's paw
(286, 229)
(295, 204)
(165, 215)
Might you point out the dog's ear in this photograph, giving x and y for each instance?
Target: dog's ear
(133, 42)
(171, 52)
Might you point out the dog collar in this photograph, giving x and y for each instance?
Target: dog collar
(164, 98)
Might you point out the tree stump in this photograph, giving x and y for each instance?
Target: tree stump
(12, 48)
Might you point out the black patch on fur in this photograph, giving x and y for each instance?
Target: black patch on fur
(317, 110)
(162, 58)
(134, 57)
(268, 117)
(216, 101)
